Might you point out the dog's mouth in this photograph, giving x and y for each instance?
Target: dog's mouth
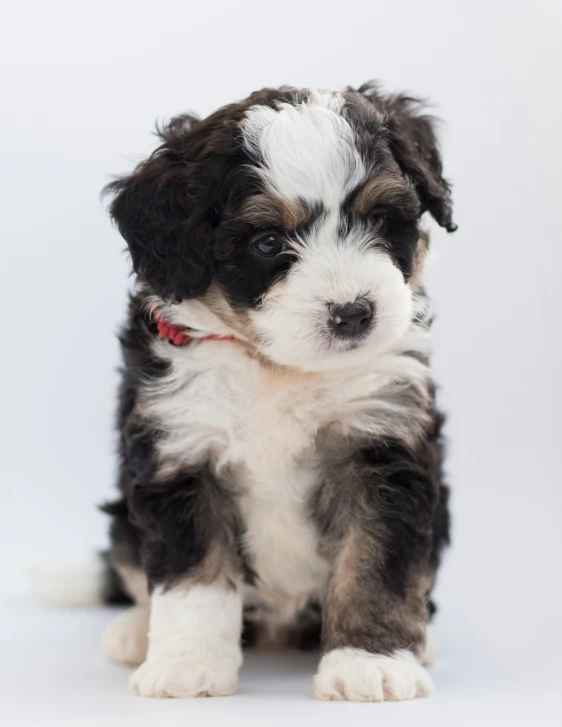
(332, 343)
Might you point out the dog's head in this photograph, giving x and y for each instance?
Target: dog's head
(293, 216)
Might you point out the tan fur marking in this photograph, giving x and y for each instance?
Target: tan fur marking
(134, 582)
(215, 301)
(384, 189)
(345, 571)
(214, 569)
(357, 607)
(273, 638)
(344, 581)
(416, 283)
(268, 210)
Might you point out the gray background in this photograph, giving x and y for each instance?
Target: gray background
(82, 87)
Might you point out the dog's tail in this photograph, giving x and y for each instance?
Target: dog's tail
(86, 581)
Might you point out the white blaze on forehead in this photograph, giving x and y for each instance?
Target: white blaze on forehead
(305, 151)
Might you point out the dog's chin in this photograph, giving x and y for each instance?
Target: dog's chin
(336, 354)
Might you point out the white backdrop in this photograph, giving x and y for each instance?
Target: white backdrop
(82, 87)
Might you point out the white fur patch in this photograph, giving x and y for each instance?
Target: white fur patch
(78, 582)
(194, 642)
(294, 321)
(358, 676)
(282, 544)
(126, 638)
(305, 151)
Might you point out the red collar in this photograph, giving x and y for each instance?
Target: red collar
(180, 336)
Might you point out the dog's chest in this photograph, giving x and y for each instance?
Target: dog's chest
(219, 404)
(259, 429)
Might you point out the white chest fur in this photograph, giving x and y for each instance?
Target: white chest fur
(258, 427)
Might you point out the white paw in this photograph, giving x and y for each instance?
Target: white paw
(358, 676)
(126, 638)
(184, 677)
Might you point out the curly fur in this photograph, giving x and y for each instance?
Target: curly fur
(289, 472)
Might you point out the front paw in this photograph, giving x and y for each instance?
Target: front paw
(358, 676)
(184, 677)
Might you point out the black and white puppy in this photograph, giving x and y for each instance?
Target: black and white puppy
(279, 444)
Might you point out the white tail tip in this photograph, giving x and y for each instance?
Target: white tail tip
(74, 583)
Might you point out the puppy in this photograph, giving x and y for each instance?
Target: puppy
(280, 449)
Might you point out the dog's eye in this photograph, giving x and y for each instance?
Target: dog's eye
(269, 245)
(378, 222)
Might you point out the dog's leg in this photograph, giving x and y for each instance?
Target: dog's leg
(377, 519)
(371, 638)
(189, 554)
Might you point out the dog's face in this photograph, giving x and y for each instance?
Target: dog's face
(294, 217)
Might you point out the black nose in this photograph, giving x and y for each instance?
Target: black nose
(351, 319)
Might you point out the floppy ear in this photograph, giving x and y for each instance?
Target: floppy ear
(413, 142)
(157, 212)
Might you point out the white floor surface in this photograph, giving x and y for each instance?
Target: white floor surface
(53, 672)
